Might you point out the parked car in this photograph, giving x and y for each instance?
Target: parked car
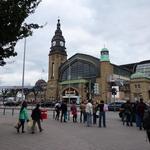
(12, 103)
(115, 106)
(48, 104)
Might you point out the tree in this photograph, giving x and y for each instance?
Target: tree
(4, 94)
(12, 25)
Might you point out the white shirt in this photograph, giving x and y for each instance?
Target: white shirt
(89, 108)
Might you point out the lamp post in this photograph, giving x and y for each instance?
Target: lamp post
(69, 82)
(23, 71)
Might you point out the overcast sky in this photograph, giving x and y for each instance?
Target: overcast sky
(122, 25)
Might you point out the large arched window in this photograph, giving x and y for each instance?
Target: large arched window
(78, 70)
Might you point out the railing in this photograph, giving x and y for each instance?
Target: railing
(13, 109)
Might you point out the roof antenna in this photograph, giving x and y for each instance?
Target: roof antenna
(104, 45)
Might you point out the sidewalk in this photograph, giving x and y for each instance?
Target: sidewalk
(72, 136)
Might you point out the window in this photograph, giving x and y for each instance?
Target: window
(52, 71)
(79, 70)
(144, 68)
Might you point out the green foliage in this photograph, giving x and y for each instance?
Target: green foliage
(12, 25)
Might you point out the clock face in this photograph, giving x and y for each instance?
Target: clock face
(61, 43)
(54, 43)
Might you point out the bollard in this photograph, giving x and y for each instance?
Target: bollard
(4, 111)
(68, 114)
(54, 114)
(12, 111)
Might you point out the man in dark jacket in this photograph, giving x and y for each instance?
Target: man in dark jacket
(141, 107)
(36, 117)
(63, 111)
(102, 114)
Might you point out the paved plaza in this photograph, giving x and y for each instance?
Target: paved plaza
(72, 136)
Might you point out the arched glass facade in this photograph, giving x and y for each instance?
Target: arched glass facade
(79, 70)
(144, 68)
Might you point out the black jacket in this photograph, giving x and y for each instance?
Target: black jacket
(36, 114)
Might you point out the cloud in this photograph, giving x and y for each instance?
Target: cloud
(123, 26)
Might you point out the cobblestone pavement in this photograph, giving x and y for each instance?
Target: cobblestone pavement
(72, 136)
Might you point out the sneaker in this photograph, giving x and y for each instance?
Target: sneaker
(18, 131)
(32, 132)
(41, 130)
(16, 127)
(23, 131)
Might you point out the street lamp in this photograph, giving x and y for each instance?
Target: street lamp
(23, 71)
(69, 82)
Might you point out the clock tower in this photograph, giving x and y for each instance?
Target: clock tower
(57, 56)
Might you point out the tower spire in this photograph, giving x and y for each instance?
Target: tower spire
(58, 41)
(58, 24)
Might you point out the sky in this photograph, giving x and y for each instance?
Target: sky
(123, 26)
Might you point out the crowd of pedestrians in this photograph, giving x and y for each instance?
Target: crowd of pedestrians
(93, 113)
(137, 112)
(90, 112)
(133, 112)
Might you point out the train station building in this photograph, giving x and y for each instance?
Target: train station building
(84, 77)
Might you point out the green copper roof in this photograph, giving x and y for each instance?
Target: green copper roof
(104, 49)
(138, 75)
(104, 55)
(73, 81)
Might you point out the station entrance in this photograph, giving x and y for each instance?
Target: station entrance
(71, 95)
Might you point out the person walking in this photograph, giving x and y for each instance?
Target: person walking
(141, 107)
(64, 111)
(82, 112)
(94, 112)
(136, 114)
(36, 117)
(128, 113)
(57, 109)
(23, 116)
(74, 111)
(89, 112)
(102, 114)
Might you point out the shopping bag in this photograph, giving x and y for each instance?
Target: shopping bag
(17, 124)
(105, 107)
(97, 114)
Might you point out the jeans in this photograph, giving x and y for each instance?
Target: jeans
(137, 120)
(140, 121)
(102, 116)
(63, 115)
(94, 118)
(21, 124)
(89, 119)
(38, 123)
